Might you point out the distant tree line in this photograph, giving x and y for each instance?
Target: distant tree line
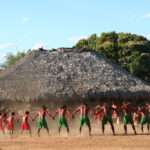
(131, 51)
(11, 59)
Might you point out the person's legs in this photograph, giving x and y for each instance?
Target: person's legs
(65, 124)
(45, 125)
(39, 126)
(104, 122)
(133, 127)
(126, 120)
(110, 120)
(125, 128)
(38, 132)
(148, 126)
(30, 133)
(142, 122)
(142, 128)
(88, 125)
(82, 121)
(132, 124)
(47, 129)
(60, 125)
(112, 128)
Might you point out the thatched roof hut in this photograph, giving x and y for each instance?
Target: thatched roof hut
(69, 74)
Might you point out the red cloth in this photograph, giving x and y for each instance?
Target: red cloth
(25, 125)
(10, 123)
(1, 124)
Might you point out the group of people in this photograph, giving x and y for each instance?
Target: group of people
(125, 113)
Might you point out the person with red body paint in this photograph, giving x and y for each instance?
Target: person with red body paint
(1, 123)
(10, 123)
(25, 126)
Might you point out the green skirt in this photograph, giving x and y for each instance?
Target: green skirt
(84, 120)
(107, 119)
(42, 123)
(127, 119)
(63, 122)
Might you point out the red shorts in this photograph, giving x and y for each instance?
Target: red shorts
(25, 126)
(1, 128)
(10, 126)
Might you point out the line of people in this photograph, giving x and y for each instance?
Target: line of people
(104, 113)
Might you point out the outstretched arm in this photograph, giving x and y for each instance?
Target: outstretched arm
(76, 111)
(34, 118)
(69, 114)
(50, 115)
(55, 114)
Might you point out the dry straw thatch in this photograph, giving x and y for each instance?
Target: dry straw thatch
(68, 74)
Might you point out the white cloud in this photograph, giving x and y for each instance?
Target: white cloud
(148, 36)
(147, 15)
(7, 45)
(39, 45)
(75, 39)
(2, 57)
(25, 20)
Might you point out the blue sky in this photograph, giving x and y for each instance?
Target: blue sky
(26, 24)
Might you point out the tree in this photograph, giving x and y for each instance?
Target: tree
(11, 59)
(130, 51)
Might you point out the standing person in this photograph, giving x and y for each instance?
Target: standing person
(145, 118)
(42, 122)
(127, 116)
(98, 113)
(5, 116)
(83, 109)
(1, 123)
(10, 123)
(62, 112)
(115, 113)
(137, 116)
(107, 117)
(25, 126)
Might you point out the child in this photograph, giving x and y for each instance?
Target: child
(25, 126)
(10, 123)
(4, 116)
(1, 123)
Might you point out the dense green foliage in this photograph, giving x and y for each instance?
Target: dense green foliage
(131, 51)
(11, 59)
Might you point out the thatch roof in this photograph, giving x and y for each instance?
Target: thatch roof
(68, 74)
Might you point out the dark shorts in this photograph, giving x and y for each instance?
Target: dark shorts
(127, 119)
(84, 120)
(42, 123)
(63, 122)
(107, 119)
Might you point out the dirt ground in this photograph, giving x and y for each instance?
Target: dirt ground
(77, 142)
